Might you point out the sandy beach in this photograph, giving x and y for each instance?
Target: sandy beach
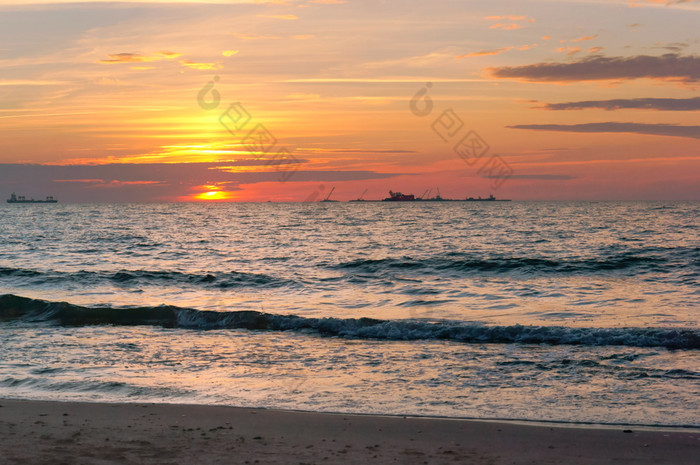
(37, 432)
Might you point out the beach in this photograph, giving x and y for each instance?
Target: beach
(39, 432)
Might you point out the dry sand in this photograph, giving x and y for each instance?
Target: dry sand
(34, 432)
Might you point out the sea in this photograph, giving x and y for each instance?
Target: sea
(570, 312)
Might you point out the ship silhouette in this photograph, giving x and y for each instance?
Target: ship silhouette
(22, 199)
(399, 197)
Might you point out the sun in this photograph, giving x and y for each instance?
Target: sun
(214, 195)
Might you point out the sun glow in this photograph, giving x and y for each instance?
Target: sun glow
(215, 195)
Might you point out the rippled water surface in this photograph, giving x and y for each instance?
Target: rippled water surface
(537, 310)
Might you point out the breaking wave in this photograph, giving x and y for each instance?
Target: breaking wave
(16, 308)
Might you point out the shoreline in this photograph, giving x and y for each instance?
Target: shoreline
(513, 421)
(33, 431)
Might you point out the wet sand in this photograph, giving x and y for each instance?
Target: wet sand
(35, 432)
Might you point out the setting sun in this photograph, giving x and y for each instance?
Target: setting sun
(214, 195)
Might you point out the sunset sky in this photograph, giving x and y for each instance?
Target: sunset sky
(588, 99)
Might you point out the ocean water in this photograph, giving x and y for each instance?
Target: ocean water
(549, 311)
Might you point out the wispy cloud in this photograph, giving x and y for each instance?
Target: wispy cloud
(633, 3)
(506, 26)
(584, 38)
(672, 47)
(670, 66)
(196, 65)
(497, 51)
(538, 177)
(569, 50)
(663, 104)
(138, 58)
(30, 82)
(674, 130)
(509, 22)
(326, 150)
(414, 61)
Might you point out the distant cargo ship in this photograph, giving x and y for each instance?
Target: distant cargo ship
(22, 199)
(490, 198)
(399, 197)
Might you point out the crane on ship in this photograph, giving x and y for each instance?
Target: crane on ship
(328, 197)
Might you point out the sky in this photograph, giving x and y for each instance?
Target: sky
(285, 100)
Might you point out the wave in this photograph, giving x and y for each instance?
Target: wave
(639, 261)
(16, 308)
(510, 264)
(89, 387)
(219, 280)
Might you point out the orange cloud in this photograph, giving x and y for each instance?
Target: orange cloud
(581, 39)
(569, 50)
(527, 47)
(497, 51)
(506, 27)
(487, 52)
(137, 58)
(195, 65)
(126, 58)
